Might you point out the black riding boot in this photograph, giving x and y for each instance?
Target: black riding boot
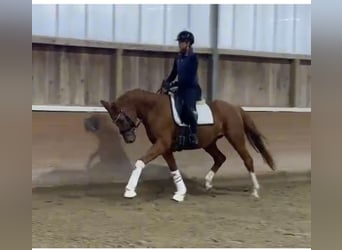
(193, 140)
(190, 97)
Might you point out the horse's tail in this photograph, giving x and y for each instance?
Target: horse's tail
(256, 139)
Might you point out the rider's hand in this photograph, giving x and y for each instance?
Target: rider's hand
(165, 86)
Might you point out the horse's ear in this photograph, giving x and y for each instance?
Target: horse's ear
(111, 107)
(105, 104)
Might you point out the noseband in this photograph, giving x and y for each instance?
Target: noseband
(132, 125)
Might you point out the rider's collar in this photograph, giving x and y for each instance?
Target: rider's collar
(188, 53)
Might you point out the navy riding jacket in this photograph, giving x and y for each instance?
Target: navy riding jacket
(185, 66)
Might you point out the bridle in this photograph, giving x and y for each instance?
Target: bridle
(132, 125)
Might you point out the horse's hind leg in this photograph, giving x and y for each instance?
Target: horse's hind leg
(238, 142)
(219, 158)
(176, 176)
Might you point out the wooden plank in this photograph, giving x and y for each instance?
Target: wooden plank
(308, 85)
(85, 70)
(143, 70)
(38, 86)
(168, 64)
(76, 85)
(156, 73)
(64, 70)
(304, 97)
(52, 76)
(203, 74)
(295, 91)
(145, 73)
(226, 90)
(93, 81)
(278, 81)
(106, 78)
(258, 88)
(271, 76)
(99, 78)
(119, 72)
(131, 71)
(282, 83)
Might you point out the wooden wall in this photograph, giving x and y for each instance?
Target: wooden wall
(303, 96)
(74, 75)
(146, 70)
(254, 81)
(69, 75)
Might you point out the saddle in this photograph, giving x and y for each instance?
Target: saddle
(205, 118)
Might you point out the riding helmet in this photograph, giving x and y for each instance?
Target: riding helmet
(186, 36)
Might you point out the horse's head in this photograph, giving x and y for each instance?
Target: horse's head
(124, 118)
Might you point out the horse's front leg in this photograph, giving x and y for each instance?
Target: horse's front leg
(154, 151)
(176, 176)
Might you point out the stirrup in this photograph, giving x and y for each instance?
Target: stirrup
(180, 142)
(193, 139)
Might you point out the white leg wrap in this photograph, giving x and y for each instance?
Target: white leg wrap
(255, 181)
(133, 180)
(209, 179)
(180, 186)
(256, 185)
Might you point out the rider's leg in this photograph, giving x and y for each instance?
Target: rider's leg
(190, 108)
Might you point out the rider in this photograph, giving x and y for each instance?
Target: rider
(185, 66)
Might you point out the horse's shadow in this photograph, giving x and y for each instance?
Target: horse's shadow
(110, 153)
(196, 187)
(108, 163)
(157, 190)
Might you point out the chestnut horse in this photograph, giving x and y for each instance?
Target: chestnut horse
(154, 111)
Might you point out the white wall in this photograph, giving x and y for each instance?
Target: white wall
(272, 28)
(99, 23)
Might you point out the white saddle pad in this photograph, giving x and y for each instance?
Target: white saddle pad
(205, 116)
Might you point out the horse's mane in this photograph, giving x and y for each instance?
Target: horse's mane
(138, 90)
(136, 93)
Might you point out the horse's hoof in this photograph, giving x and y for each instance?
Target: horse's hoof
(178, 197)
(255, 194)
(130, 194)
(208, 186)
